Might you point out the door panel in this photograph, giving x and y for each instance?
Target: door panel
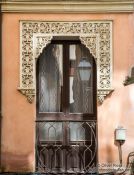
(81, 91)
(75, 154)
(51, 131)
(51, 78)
(66, 109)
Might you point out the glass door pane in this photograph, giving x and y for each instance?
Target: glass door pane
(51, 131)
(80, 77)
(51, 78)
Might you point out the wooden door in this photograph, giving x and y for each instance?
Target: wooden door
(66, 109)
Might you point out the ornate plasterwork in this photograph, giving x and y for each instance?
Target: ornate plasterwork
(35, 35)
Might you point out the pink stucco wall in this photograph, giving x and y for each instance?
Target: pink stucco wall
(18, 123)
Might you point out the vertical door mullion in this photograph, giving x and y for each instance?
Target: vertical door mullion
(65, 99)
(66, 88)
(66, 78)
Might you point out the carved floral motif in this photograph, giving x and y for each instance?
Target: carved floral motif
(95, 35)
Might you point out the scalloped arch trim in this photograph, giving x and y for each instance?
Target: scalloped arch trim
(35, 35)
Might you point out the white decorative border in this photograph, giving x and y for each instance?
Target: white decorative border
(95, 35)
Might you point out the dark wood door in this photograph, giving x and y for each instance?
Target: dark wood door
(66, 109)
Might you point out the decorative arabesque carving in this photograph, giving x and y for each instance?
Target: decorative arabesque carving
(40, 43)
(95, 35)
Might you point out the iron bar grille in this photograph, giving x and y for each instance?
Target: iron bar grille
(66, 147)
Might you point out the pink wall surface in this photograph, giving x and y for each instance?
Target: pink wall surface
(18, 123)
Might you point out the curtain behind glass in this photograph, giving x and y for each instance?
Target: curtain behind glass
(50, 79)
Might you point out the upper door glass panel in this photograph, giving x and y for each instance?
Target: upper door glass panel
(81, 79)
(77, 77)
(51, 78)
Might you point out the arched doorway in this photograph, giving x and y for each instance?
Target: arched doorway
(66, 108)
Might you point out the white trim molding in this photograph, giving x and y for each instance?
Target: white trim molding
(95, 35)
(67, 6)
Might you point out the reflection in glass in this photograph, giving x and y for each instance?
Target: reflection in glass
(81, 75)
(50, 78)
(84, 69)
(77, 131)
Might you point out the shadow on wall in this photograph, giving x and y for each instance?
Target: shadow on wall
(109, 154)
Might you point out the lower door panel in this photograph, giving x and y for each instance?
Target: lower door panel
(66, 147)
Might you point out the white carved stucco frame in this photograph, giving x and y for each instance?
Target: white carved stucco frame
(95, 35)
